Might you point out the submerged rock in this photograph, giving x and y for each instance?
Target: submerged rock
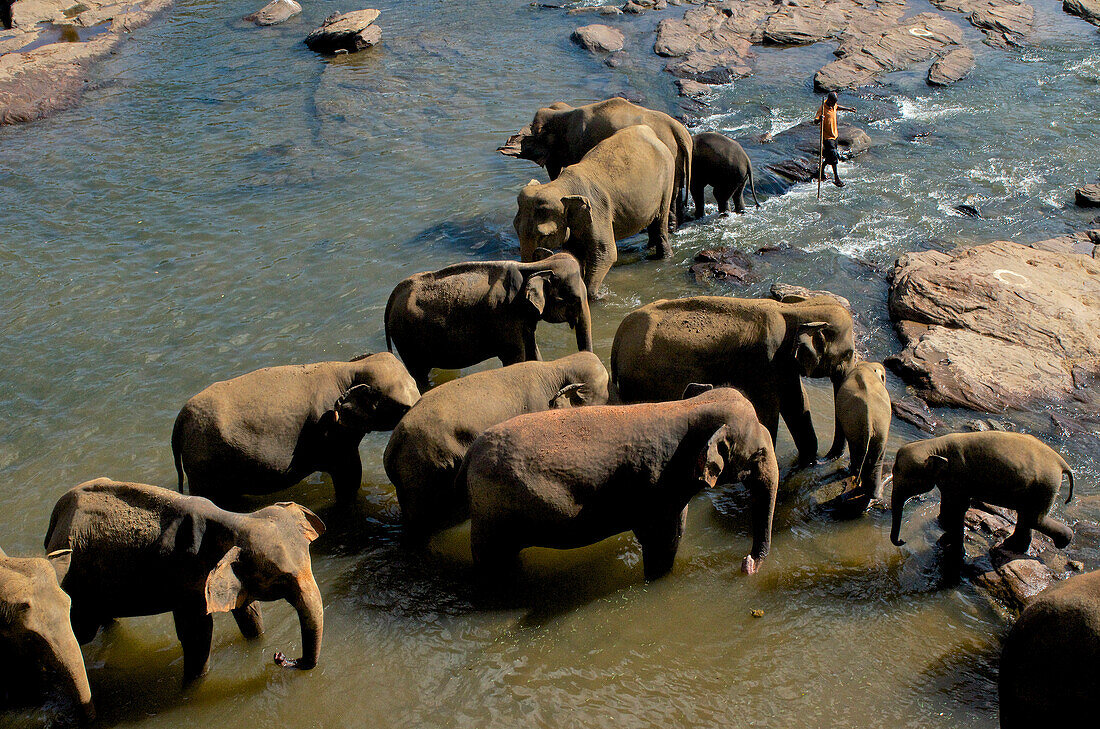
(916, 412)
(996, 326)
(347, 33)
(275, 12)
(1088, 196)
(597, 38)
(951, 67)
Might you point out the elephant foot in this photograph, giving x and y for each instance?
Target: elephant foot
(749, 565)
(301, 664)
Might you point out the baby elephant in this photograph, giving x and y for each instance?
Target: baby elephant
(144, 550)
(720, 162)
(568, 478)
(267, 430)
(1012, 470)
(863, 420)
(427, 446)
(40, 653)
(470, 312)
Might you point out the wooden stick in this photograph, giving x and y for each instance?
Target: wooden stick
(821, 150)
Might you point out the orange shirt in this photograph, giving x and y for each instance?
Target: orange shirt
(829, 125)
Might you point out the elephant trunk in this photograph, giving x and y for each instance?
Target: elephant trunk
(762, 489)
(72, 678)
(584, 327)
(897, 506)
(311, 615)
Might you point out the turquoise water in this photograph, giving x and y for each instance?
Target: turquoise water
(224, 199)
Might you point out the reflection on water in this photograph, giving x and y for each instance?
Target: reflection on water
(224, 200)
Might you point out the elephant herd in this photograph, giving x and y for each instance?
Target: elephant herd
(557, 454)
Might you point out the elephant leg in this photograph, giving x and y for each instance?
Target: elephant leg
(249, 620)
(768, 413)
(698, 195)
(738, 202)
(347, 476)
(195, 631)
(493, 556)
(1058, 532)
(953, 520)
(658, 239)
(660, 540)
(722, 195)
(597, 266)
(530, 346)
(1019, 541)
(872, 468)
(796, 414)
(85, 625)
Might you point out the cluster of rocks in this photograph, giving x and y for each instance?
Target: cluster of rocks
(1006, 23)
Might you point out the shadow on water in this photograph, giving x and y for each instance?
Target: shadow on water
(479, 237)
(968, 674)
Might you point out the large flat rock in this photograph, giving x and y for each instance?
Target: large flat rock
(598, 38)
(954, 66)
(1005, 23)
(997, 326)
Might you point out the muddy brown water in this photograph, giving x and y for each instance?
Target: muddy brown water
(225, 200)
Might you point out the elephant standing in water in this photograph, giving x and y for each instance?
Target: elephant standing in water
(561, 135)
(721, 163)
(863, 414)
(760, 346)
(39, 652)
(267, 430)
(467, 313)
(568, 478)
(1013, 470)
(621, 187)
(1049, 662)
(427, 446)
(144, 550)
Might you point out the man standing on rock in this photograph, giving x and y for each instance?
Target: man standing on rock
(826, 116)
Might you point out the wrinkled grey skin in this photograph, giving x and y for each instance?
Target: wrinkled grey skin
(719, 162)
(1012, 470)
(760, 346)
(568, 478)
(470, 312)
(1050, 658)
(863, 415)
(267, 430)
(144, 550)
(561, 135)
(40, 653)
(621, 187)
(427, 446)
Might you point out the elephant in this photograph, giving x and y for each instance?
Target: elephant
(561, 135)
(760, 346)
(1013, 470)
(1049, 658)
(427, 446)
(863, 413)
(621, 187)
(145, 550)
(267, 430)
(469, 312)
(720, 162)
(40, 652)
(569, 478)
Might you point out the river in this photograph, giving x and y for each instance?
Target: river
(224, 199)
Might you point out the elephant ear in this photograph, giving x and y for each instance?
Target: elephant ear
(811, 345)
(572, 395)
(578, 212)
(224, 591)
(936, 464)
(60, 561)
(713, 458)
(312, 526)
(534, 291)
(695, 388)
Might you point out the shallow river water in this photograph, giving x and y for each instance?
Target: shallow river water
(223, 200)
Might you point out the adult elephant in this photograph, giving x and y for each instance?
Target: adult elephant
(561, 135)
(1048, 663)
(427, 446)
(40, 652)
(621, 187)
(267, 430)
(760, 346)
(144, 550)
(469, 312)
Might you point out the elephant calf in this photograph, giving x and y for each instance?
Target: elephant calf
(721, 163)
(1050, 657)
(1012, 470)
(621, 187)
(469, 312)
(427, 446)
(39, 653)
(267, 430)
(144, 550)
(568, 478)
(863, 414)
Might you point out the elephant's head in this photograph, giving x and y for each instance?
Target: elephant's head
(547, 220)
(916, 472)
(825, 349)
(35, 628)
(555, 292)
(383, 392)
(270, 561)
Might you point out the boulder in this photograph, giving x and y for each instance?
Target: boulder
(805, 140)
(1088, 196)
(916, 412)
(996, 326)
(346, 33)
(1087, 9)
(598, 38)
(1017, 582)
(954, 66)
(723, 264)
(275, 12)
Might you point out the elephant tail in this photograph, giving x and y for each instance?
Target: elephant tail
(1069, 473)
(177, 452)
(752, 184)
